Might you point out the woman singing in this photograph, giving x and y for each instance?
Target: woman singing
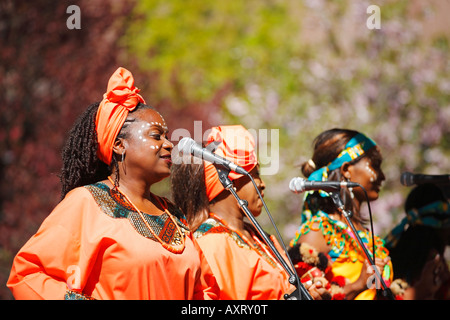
(244, 266)
(110, 237)
(344, 155)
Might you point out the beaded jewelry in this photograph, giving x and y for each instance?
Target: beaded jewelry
(177, 249)
(312, 164)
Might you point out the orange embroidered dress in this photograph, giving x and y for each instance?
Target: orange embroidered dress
(243, 271)
(346, 255)
(94, 245)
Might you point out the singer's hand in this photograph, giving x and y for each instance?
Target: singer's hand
(317, 289)
(367, 272)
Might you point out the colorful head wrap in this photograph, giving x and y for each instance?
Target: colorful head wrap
(355, 147)
(435, 215)
(120, 98)
(234, 143)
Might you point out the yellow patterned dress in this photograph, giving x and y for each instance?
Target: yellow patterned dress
(346, 255)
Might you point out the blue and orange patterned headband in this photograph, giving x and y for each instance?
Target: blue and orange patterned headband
(356, 147)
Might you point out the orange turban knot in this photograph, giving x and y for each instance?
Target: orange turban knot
(236, 144)
(120, 98)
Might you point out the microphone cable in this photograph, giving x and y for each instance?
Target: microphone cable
(371, 221)
(297, 279)
(387, 292)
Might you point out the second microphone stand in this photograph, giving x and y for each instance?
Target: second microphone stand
(347, 215)
(300, 293)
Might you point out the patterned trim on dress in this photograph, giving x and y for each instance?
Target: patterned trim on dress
(340, 237)
(73, 295)
(211, 226)
(114, 205)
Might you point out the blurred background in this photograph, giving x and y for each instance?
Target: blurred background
(298, 67)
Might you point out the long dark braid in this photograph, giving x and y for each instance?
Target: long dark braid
(189, 191)
(81, 166)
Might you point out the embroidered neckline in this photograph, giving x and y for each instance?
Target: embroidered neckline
(114, 205)
(340, 236)
(216, 225)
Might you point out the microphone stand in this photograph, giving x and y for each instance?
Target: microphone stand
(338, 202)
(300, 293)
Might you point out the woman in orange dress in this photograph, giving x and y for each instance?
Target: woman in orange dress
(242, 263)
(110, 237)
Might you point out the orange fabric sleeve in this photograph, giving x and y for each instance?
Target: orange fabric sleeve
(206, 287)
(36, 272)
(241, 272)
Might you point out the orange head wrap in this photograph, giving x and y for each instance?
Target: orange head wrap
(236, 144)
(120, 98)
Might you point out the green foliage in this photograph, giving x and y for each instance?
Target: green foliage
(201, 46)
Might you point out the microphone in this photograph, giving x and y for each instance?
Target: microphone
(189, 146)
(299, 185)
(408, 179)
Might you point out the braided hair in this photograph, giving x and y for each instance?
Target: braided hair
(81, 165)
(189, 191)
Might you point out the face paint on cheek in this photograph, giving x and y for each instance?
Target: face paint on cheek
(373, 175)
(141, 137)
(140, 132)
(163, 124)
(154, 147)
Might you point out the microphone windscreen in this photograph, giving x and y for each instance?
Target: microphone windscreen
(296, 185)
(185, 145)
(407, 179)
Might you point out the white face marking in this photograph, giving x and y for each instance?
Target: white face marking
(140, 136)
(146, 125)
(373, 175)
(163, 125)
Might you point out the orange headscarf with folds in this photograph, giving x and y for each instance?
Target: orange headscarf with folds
(120, 98)
(234, 143)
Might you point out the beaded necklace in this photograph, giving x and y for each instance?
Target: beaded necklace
(172, 248)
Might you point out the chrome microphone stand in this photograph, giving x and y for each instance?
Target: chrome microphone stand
(300, 293)
(387, 293)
